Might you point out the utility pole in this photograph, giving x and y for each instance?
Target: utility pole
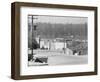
(33, 28)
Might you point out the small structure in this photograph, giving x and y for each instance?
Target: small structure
(57, 44)
(52, 44)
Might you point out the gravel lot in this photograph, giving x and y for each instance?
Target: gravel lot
(67, 60)
(62, 59)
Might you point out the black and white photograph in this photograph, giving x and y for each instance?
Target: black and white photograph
(57, 40)
(53, 40)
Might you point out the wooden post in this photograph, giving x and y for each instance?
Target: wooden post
(33, 33)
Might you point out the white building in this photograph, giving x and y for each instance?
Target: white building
(54, 44)
(60, 45)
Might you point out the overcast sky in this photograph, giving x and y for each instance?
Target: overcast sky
(60, 19)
